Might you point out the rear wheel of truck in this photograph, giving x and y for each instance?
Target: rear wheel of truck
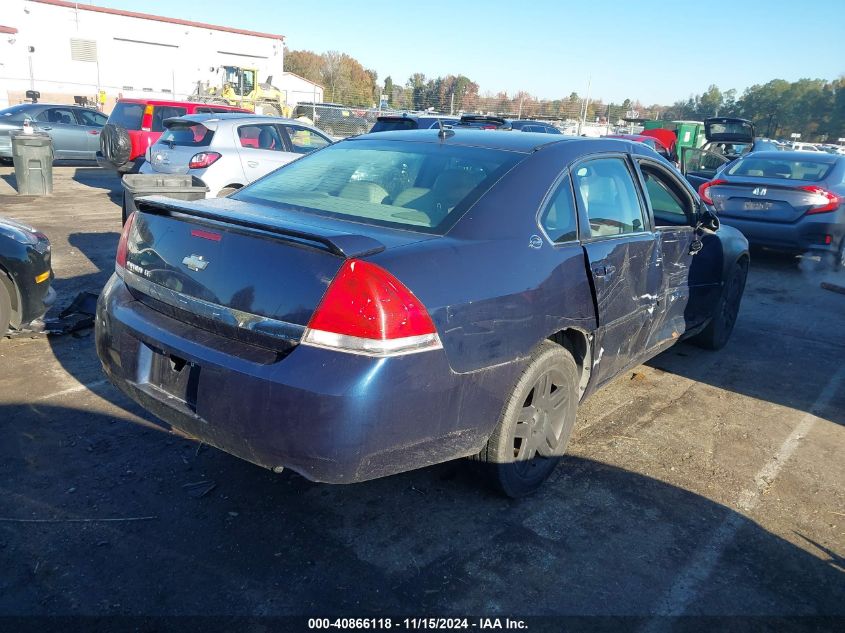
(269, 109)
(535, 424)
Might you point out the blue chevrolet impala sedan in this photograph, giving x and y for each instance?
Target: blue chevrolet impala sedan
(405, 298)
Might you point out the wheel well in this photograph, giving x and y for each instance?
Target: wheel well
(579, 344)
(234, 185)
(14, 294)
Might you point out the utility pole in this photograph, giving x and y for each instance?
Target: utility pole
(586, 105)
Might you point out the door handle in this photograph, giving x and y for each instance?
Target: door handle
(46, 127)
(604, 270)
(695, 247)
(252, 163)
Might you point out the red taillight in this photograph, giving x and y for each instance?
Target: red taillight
(123, 245)
(147, 119)
(825, 200)
(702, 190)
(202, 160)
(366, 310)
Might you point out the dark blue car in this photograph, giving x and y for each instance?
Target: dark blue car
(789, 201)
(406, 298)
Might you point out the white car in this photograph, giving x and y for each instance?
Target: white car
(228, 151)
(804, 147)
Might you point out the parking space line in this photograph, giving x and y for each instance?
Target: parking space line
(74, 389)
(685, 585)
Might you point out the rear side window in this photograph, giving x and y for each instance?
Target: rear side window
(127, 115)
(558, 219)
(605, 190)
(195, 135)
(160, 113)
(420, 186)
(809, 170)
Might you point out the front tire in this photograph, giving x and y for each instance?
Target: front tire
(715, 336)
(535, 424)
(268, 109)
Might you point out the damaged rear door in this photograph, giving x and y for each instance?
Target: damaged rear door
(622, 258)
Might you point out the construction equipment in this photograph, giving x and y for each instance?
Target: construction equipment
(240, 88)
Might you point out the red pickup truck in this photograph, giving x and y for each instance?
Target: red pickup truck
(135, 124)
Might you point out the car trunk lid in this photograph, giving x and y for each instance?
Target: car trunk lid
(776, 201)
(728, 130)
(241, 270)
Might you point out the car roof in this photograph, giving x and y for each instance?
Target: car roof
(818, 157)
(233, 117)
(492, 139)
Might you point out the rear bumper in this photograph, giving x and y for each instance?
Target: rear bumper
(800, 237)
(330, 416)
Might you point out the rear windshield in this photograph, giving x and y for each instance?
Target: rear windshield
(16, 112)
(127, 115)
(389, 125)
(161, 113)
(809, 170)
(186, 135)
(733, 128)
(420, 186)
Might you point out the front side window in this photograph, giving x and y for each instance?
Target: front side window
(304, 140)
(261, 136)
(94, 119)
(558, 219)
(670, 208)
(420, 186)
(605, 190)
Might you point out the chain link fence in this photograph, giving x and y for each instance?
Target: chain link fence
(348, 115)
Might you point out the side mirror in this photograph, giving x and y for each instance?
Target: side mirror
(707, 218)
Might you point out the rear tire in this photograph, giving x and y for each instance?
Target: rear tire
(225, 191)
(535, 424)
(268, 109)
(5, 309)
(715, 336)
(115, 145)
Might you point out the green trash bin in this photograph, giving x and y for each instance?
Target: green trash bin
(179, 186)
(33, 158)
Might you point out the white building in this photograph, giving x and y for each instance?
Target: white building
(68, 49)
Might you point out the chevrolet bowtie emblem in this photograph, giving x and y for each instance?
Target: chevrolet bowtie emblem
(195, 263)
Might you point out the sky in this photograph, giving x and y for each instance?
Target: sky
(655, 51)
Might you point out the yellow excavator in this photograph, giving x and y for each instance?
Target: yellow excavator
(240, 88)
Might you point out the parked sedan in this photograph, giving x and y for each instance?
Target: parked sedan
(651, 141)
(25, 275)
(228, 151)
(791, 201)
(75, 130)
(458, 301)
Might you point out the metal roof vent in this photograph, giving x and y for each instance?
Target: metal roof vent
(83, 50)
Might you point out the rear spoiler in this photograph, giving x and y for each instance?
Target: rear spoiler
(346, 245)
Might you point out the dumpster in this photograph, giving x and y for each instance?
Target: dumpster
(179, 186)
(33, 158)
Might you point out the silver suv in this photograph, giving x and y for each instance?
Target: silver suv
(228, 151)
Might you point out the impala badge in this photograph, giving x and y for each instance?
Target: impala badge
(195, 263)
(759, 191)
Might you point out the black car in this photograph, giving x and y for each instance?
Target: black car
(394, 122)
(25, 275)
(487, 122)
(727, 139)
(333, 118)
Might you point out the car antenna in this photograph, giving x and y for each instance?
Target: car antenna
(444, 133)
